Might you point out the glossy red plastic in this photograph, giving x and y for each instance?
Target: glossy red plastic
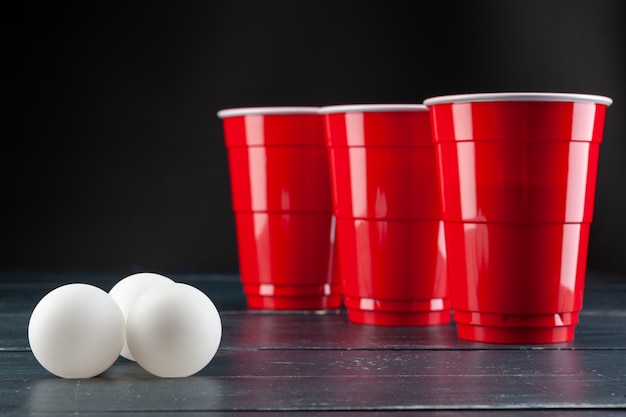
(386, 200)
(273, 126)
(517, 180)
(526, 271)
(286, 260)
(394, 271)
(385, 182)
(283, 207)
(280, 178)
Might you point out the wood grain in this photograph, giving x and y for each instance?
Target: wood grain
(312, 363)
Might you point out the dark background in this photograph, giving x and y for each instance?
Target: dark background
(113, 157)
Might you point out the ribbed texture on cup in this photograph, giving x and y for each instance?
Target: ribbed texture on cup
(518, 184)
(283, 207)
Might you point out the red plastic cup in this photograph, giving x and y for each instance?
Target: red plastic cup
(283, 207)
(386, 200)
(518, 177)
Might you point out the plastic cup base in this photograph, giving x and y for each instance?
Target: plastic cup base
(516, 335)
(294, 302)
(516, 328)
(396, 318)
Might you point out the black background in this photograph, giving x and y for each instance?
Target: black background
(113, 157)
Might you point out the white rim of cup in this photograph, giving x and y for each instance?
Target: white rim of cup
(348, 108)
(553, 97)
(250, 111)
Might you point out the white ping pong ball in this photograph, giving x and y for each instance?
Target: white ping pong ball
(173, 331)
(129, 289)
(76, 331)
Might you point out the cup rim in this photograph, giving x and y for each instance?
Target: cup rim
(363, 108)
(268, 110)
(518, 96)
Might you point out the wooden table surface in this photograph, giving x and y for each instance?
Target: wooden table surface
(319, 364)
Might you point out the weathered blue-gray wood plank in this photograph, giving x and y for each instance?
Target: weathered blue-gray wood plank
(274, 380)
(319, 364)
